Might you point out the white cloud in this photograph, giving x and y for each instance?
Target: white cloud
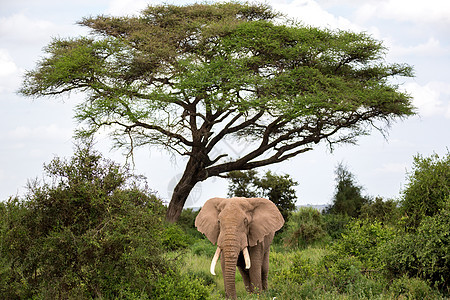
(127, 7)
(311, 13)
(7, 65)
(19, 27)
(432, 47)
(432, 99)
(46, 132)
(431, 11)
(9, 72)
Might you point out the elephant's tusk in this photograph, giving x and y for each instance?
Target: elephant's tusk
(246, 258)
(214, 261)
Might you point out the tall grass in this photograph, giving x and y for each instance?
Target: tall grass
(302, 274)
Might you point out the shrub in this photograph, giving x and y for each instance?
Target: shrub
(174, 238)
(203, 247)
(303, 228)
(383, 211)
(90, 231)
(363, 239)
(424, 253)
(295, 277)
(341, 272)
(335, 225)
(428, 189)
(411, 288)
(180, 286)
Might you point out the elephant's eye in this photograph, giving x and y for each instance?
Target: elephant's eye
(245, 221)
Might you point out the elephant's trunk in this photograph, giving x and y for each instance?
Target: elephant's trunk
(228, 262)
(216, 257)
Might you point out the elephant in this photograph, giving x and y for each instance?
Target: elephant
(243, 229)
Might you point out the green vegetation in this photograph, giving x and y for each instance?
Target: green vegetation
(428, 190)
(185, 78)
(91, 230)
(278, 188)
(347, 199)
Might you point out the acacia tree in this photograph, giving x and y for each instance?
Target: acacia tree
(185, 78)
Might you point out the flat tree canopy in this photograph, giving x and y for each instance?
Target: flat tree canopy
(185, 78)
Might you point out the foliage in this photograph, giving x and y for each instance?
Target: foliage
(424, 253)
(335, 225)
(428, 189)
(363, 240)
(187, 223)
(89, 231)
(203, 247)
(321, 273)
(383, 211)
(306, 277)
(174, 238)
(412, 288)
(179, 286)
(278, 188)
(305, 227)
(347, 199)
(185, 78)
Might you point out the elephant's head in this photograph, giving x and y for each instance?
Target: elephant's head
(235, 224)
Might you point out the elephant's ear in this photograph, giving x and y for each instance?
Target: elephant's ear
(207, 219)
(266, 219)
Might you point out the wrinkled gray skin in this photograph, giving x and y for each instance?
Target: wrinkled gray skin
(237, 225)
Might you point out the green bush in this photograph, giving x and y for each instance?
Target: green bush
(294, 277)
(342, 272)
(364, 240)
(90, 231)
(303, 277)
(428, 189)
(411, 288)
(335, 225)
(203, 247)
(304, 228)
(299, 271)
(174, 238)
(180, 286)
(379, 210)
(424, 253)
(187, 223)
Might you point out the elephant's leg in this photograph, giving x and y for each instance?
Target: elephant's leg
(265, 270)
(256, 256)
(244, 273)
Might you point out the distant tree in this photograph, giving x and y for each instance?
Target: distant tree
(278, 188)
(347, 199)
(185, 78)
(428, 189)
(381, 210)
(244, 184)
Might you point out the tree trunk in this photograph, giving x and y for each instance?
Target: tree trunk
(179, 197)
(192, 174)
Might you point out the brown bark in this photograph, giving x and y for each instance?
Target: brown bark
(192, 174)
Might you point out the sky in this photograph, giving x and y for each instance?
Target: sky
(34, 131)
